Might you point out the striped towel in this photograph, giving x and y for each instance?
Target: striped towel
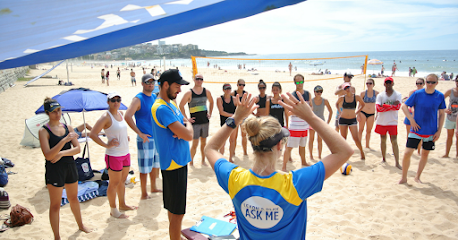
(82, 198)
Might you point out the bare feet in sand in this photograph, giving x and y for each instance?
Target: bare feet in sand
(155, 190)
(402, 181)
(146, 197)
(85, 229)
(122, 216)
(127, 208)
(399, 166)
(445, 156)
(204, 164)
(418, 180)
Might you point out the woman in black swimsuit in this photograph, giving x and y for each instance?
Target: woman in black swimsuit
(276, 110)
(240, 91)
(261, 100)
(56, 140)
(347, 118)
(226, 107)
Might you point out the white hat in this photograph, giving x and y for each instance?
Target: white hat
(113, 94)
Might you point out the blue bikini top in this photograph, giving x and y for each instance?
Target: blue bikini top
(369, 100)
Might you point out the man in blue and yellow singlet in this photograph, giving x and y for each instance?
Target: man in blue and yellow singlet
(197, 98)
(173, 132)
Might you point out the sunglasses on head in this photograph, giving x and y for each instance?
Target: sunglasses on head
(242, 84)
(419, 83)
(431, 82)
(299, 82)
(200, 79)
(113, 100)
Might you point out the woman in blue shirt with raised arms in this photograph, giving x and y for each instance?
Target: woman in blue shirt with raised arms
(271, 204)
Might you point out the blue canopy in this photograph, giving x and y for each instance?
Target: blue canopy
(81, 99)
(50, 30)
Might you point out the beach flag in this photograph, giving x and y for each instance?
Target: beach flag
(50, 30)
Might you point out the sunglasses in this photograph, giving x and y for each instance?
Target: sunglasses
(261, 88)
(241, 85)
(388, 82)
(199, 79)
(227, 89)
(113, 100)
(369, 83)
(319, 91)
(149, 82)
(299, 82)
(419, 83)
(431, 82)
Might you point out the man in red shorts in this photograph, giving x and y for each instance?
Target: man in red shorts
(388, 104)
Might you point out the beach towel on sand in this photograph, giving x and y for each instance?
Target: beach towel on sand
(86, 191)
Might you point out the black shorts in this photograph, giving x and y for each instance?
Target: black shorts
(60, 173)
(413, 143)
(174, 186)
(348, 122)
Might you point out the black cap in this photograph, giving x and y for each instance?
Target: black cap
(147, 77)
(171, 76)
(51, 106)
(348, 75)
(267, 144)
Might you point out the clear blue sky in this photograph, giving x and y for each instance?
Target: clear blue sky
(336, 26)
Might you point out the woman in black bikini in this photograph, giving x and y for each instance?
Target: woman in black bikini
(226, 107)
(276, 110)
(347, 118)
(261, 100)
(56, 140)
(240, 91)
(366, 116)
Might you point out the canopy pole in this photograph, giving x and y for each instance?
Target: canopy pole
(68, 75)
(85, 131)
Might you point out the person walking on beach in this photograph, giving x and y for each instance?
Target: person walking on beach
(290, 67)
(318, 104)
(261, 100)
(414, 71)
(450, 120)
(420, 83)
(340, 92)
(382, 71)
(282, 197)
(117, 156)
(56, 141)
(226, 107)
(276, 110)
(347, 117)
(118, 74)
(393, 69)
(388, 104)
(366, 116)
(148, 158)
(240, 91)
(174, 132)
(108, 78)
(102, 74)
(427, 102)
(132, 78)
(298, 128)
(197, 98)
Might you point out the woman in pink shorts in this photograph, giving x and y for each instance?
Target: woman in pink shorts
(117, 157)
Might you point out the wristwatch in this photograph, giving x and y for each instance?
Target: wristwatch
(230, 122)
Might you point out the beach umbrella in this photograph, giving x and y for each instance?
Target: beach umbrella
(374, 62)
(81, 100)
(45, 31)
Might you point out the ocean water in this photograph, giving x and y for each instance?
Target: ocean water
(425, 62)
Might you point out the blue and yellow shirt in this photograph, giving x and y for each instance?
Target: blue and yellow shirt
(270, 207)
(173, 152)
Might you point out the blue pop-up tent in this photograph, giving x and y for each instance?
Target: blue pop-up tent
(50, 30)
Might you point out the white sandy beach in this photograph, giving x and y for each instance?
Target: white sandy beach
(368, 204)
